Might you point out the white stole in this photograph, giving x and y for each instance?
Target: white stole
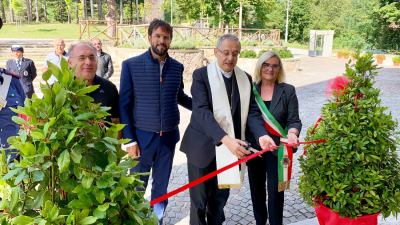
(222, 114)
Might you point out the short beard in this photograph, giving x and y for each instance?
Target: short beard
(158, 52)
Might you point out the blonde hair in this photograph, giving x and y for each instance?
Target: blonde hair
(264, 57)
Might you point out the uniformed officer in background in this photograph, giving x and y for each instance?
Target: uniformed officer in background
(24, 67)
(12, 95)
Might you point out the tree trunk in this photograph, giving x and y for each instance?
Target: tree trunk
(137, 11)
(84, 7)
(37, 10)
(11, 12)
(29, 10)
(91, 9)
(111, 18)
(121, 11)
(45, 10)
(100, 8)
(131, 12)
(3, 12)
(77, 11)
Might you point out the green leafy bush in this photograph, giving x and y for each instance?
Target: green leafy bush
(248, 54)
(71, 169)
(396, 59)
(356, 171)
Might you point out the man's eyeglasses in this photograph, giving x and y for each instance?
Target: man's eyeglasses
(228, 53)
(82, 58)
(272, 66)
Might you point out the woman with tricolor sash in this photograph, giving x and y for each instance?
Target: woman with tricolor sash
(279, 107)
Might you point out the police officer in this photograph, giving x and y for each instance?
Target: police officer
(11, 95)
(24, 67)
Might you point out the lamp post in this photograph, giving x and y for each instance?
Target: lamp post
(287, 20)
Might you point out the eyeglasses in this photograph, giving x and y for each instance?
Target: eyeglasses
(272, 66)
(227, 53)
(82, 58)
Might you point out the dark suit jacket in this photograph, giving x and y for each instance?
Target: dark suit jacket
(27, 72)
(203, 132)
(284, 107)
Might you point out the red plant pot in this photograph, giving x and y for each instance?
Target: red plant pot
(328, 217)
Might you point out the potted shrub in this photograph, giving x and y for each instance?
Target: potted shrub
(355, 174)
(71, 169)
(379, 58)
(396, 60)
(343, 53)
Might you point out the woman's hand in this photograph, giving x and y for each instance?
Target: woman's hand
(266, 142)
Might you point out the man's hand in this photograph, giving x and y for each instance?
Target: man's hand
(266, 142)
(292, 140)
(133, 151)
(235, 146)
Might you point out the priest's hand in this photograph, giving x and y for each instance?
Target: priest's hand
(266, 142)
(133, 151)
(236, 146)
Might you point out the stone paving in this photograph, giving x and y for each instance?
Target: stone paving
(310, 84)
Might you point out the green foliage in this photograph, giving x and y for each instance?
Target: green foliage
(283, 53)
(248, 53)
(71, 169)
(356, 171)
(396, 59)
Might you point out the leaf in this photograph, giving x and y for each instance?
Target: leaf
(85, 116)
(87, 181)
(46, 75)
(38, 200)
(63, 161)
(37, 135)
(88, 220)
(37, 176)
(14, 198)
(11, 173)
(27, 149)
(20, 177)
(100, 196)
(86, 90)
(71, 135)
(99, 214)
(60, 98)
(18, 120)
(22, 220)
(103, 207)
(76, 155)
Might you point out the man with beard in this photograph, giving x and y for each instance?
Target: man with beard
(151, 89)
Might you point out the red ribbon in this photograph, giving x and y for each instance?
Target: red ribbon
(216, 172)
(208, 176)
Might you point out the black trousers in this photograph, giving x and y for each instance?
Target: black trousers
(262, 169)
(206, 200)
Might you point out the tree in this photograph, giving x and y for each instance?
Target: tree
(299, 20)
(71, 170)
(100, 9)
(29, 10)
(382, 36)
(357, 170)
(68, 3)
(3, 12)
(111, 18)
(37, 10)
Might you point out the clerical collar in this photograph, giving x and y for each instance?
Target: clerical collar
(225, 74)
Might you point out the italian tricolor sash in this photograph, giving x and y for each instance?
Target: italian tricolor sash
(285, 152)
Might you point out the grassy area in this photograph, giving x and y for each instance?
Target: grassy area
(40, 31)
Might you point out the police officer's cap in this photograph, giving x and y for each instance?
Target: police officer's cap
(17, 48)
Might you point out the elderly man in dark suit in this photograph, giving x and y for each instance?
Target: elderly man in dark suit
(24, 67)
(223, 109)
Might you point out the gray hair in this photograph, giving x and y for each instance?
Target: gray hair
(263, 58)
(84, 43)
(229, 37)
